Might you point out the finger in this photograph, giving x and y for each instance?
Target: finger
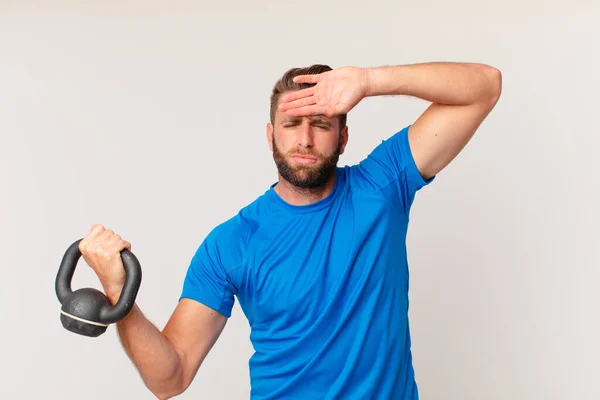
(307, 101)
(112, 239)
(95, 230)
(297, 94)
(116, 242)
(106, 235)
(311, 78)
(314, 109)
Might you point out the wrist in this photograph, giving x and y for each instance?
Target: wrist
(113, 293)
(384, 81)
(366, 81)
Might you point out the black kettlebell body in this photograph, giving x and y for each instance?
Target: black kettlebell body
(88, 311)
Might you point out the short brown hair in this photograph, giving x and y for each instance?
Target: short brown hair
(286, 84)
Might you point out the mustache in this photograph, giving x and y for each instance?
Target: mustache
(292, 153)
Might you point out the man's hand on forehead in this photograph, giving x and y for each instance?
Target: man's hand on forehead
(335, 92)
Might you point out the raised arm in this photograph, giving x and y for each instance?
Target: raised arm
(462, 95)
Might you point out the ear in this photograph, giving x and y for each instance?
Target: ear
(270, 135)
(344, 139)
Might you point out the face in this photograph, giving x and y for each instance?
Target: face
(306, 149)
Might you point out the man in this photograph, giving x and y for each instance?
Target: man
(318, 262)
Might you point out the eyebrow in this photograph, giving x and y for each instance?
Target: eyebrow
(316, 120)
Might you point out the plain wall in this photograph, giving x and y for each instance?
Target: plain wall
(149, 117)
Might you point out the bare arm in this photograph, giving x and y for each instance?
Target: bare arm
(462, 95)
(169, 360)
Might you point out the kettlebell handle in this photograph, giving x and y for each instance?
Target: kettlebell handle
(133, 279)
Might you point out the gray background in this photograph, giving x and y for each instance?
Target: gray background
(149, 117)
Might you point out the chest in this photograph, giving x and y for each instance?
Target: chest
(303, 267)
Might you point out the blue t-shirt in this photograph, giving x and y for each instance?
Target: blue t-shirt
(324, 286)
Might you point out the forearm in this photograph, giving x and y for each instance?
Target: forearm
(152, 354)
(437, 82)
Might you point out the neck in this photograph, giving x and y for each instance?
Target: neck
(299, 196)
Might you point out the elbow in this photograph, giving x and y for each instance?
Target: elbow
(175, 386)
(168, 393)
(493, 79)
(166, 396)
(169, 388)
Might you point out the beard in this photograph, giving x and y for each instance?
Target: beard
(306, 176)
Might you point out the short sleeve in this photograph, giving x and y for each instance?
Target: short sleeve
(391, 168)
(206, 280)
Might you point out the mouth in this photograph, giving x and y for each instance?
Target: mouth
(304, 159)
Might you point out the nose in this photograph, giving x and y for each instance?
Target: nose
(305, 138)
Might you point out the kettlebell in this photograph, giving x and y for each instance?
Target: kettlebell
(88, 311)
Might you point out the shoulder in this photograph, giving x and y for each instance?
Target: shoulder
(240, 226)
(390, 161)
(228, 241)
